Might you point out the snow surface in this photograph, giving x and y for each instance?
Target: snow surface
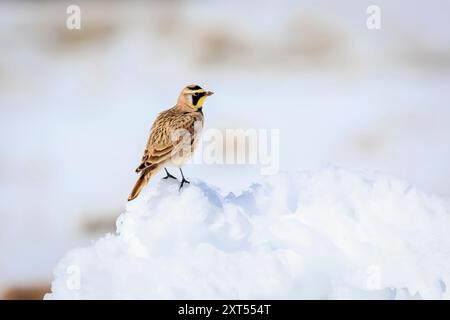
(329, 234)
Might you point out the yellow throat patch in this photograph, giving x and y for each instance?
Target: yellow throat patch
(201, 100)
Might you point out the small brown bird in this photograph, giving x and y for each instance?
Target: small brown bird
(173, 137)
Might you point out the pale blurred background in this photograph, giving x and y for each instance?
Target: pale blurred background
(76, 105)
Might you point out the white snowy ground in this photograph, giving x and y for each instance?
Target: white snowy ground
(333, 234)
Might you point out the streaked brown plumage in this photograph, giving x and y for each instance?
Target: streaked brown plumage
(173, 136)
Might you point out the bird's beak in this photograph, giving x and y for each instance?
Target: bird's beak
(209, 93)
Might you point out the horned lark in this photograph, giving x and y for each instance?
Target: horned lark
(173, 137)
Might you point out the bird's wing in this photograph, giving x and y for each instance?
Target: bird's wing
(169, 135)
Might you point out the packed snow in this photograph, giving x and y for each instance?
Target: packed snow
(328, 234)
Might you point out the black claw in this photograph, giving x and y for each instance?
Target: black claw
(182, 183)
(168, 175)
(183, 180)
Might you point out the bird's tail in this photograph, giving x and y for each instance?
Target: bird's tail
(145, 176)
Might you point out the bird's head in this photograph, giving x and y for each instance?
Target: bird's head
(193, 96)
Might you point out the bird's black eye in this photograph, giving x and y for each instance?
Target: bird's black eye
(195, 94)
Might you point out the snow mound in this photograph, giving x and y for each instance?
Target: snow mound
(331, 234)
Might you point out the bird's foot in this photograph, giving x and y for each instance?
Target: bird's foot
(183, 182)
(168, 175)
